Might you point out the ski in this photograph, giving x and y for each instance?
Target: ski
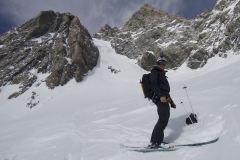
(196, 144)
(172, 146)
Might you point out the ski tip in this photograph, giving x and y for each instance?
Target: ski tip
(199, 143)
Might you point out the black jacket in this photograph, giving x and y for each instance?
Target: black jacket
(159, 82)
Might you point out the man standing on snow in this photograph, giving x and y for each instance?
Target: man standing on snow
(162, 99)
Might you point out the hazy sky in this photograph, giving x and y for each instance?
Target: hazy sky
(95, 13)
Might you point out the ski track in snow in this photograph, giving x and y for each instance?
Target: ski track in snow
(90, 120)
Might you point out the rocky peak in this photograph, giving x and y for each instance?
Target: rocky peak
(107, 31)
(54, 44)
(179, 40)
(148, 10)
(144, 17)
(42, 24)
(224, 4)
(218, 30)
(152, 30)
(46, 22)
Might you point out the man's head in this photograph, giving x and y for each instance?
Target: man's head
(161, 62)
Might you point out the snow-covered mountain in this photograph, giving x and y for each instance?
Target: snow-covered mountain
(92, 119)
(57, 44)
(150, 33)
(53, 43)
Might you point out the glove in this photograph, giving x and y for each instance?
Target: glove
(173, 105)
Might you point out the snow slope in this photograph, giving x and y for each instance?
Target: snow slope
(92, 119)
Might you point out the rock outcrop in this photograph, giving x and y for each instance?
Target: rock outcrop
(52, 43)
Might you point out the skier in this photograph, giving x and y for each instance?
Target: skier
(162, 99)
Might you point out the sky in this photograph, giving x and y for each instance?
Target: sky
(95, 13)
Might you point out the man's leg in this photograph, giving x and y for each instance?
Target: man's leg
(158, 131)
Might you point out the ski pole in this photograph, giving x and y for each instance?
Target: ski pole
(184, 107)
(185, 88)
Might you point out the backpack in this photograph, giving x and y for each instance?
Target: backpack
(146, 86)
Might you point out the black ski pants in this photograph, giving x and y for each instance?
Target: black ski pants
(163, 110)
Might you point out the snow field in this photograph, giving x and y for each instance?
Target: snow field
(90, 120)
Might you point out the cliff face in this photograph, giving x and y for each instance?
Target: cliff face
(52, 43)
(180, 40)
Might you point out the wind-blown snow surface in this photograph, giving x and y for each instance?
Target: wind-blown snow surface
(92, 119)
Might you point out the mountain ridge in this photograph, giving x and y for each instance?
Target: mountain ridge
(53, 43)
(178, 39)
(59, 45)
